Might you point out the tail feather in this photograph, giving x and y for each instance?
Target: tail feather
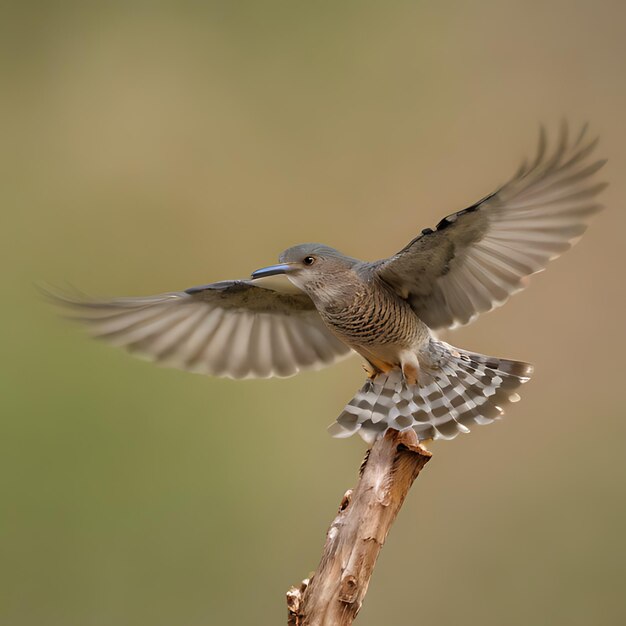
(456, 389)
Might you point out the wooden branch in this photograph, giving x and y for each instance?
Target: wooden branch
(334, 594)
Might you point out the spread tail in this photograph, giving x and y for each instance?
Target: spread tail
(456, 389)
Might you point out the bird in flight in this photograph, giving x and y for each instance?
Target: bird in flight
(386, 310)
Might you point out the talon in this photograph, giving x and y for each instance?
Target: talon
(370, 370)
(374, 367)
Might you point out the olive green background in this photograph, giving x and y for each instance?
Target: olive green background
(152, 146)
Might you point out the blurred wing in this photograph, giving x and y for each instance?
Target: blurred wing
(231, 328)
(476, 258)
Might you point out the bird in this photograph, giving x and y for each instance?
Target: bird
(387, 311)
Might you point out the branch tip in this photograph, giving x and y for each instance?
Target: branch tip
(334, 595)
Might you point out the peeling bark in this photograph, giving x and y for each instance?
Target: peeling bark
(334, 594)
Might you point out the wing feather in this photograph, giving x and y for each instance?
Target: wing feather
(233, 328)
(476, 258)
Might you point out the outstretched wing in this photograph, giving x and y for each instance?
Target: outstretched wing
(476, 258)
(231, 328)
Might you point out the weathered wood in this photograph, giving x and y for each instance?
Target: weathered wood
(334, 594)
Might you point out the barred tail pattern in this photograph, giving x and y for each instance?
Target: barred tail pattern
(456, 389)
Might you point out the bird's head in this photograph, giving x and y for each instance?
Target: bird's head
(312, 267)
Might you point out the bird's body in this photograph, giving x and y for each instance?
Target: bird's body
(364, 313)
(386, 310)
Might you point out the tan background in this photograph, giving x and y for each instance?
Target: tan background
(147, 147)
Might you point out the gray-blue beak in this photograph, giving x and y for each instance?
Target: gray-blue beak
(272, 270)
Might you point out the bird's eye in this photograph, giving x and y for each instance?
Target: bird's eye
(308, 260)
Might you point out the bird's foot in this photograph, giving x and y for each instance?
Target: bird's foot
(375, 369)
(410, 373)
(370, 370)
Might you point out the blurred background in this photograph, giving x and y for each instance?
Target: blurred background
(149, 147)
